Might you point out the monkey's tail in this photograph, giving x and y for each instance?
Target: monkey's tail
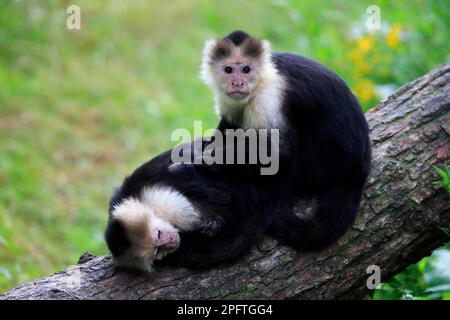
(336, 211)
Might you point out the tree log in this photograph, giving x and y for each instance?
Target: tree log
(398, 224)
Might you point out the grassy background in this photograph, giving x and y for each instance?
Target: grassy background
(80, 109)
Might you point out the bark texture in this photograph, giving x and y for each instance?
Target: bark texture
(397, 225)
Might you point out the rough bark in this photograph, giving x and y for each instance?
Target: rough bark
(397, 225)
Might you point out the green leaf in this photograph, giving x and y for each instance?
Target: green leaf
(441, 172)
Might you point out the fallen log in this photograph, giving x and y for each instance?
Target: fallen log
(398, 224)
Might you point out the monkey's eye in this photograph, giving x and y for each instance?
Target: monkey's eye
(228, 69)
(246, 69)
(159, 234)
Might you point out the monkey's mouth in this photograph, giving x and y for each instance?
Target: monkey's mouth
(237, 95)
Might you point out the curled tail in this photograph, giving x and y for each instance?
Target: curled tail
(336, 210)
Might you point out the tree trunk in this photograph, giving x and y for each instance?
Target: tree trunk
(398, 224)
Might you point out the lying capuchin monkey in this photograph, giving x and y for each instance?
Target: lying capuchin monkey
(173, 211)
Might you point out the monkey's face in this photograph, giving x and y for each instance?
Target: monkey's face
(237, 77)
(234, 71)
(148, 237)
(165, 236)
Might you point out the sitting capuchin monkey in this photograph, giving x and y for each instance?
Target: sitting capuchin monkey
(324, 144)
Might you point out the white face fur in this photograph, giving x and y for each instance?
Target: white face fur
(152, 223)
(151, 238)
(246, 89)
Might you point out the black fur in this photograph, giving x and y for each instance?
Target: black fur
(237, 37)
(332, 151)
(116, 238)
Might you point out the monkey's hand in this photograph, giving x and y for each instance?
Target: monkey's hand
(210, 226)
(212, 160)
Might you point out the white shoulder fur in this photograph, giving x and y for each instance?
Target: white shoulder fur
(172, 206)
(264, 110)
(163, 202)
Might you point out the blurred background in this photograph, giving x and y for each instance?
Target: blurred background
(80, 109)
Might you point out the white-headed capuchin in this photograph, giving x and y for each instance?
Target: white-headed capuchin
(324, 142)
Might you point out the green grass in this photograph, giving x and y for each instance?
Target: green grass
(80, 109)
(444, 174)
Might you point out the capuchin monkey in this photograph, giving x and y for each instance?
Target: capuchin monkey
(175, 212)
(324, 143)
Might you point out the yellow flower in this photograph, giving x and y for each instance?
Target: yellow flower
(365, 43)
(365, 90)
(393, 36)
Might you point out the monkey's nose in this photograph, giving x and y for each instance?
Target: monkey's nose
(173, 238)
(237, 84)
